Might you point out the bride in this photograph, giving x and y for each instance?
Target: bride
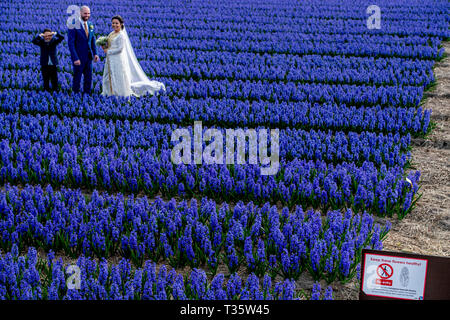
(122, 74)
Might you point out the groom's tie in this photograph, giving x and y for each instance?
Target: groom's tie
(86, 29)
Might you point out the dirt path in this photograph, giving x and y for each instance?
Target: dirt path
(426, 230)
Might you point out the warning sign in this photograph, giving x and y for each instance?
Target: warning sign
(384, 272)
(394, 277)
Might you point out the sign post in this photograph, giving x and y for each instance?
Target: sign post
(393, 275)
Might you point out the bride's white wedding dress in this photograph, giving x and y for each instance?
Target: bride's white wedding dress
(122, 74)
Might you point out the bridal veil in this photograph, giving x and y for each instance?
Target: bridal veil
(140, 83)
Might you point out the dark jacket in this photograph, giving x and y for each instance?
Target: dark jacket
(48, 49)
(82, 47)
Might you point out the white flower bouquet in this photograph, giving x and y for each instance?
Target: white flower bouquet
(102, 41)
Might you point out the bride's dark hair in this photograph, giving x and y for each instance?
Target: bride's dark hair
(120, 20)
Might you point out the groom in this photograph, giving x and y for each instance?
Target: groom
(82, 51)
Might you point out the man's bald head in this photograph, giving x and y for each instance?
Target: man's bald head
(85, 13)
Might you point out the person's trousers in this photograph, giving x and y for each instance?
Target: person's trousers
(50, 74)
(85, 70)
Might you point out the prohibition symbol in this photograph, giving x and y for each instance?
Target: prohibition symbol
(385, 271)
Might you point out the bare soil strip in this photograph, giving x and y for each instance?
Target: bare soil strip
(426, 230)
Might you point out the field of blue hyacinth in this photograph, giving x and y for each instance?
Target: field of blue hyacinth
(89, 178)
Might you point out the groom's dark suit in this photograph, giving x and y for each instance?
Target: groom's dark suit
(82, 47)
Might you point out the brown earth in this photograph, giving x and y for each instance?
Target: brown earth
(426, 229)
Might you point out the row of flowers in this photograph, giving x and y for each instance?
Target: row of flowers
(224, 112)
(30, 277)
(374, 45)
(256, 239)
(401, 18)
(315, 68)
(358, 46)
(359, 95)
(382, 190)
(287, 37)
(330, 146)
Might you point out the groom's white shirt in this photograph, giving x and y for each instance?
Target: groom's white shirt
(82, 23)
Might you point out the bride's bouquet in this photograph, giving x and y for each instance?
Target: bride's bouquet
(102, 41)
